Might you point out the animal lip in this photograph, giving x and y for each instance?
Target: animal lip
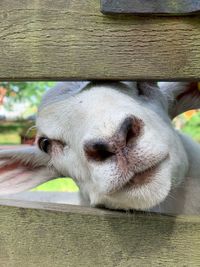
(141, 177)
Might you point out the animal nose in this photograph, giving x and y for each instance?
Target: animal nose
(98, 151)
(101, 150)
(130, 129)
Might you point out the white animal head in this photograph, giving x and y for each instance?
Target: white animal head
(115, 139)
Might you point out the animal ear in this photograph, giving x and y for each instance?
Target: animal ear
(22, 169)
(149, 89)
(181, 96)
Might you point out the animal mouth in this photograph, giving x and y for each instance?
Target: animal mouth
(145, 176)
(142, 178)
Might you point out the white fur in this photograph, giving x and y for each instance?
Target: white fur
(97, 112)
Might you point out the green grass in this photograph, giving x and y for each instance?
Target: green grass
(10, 132)
(59, 185)
(9, 139)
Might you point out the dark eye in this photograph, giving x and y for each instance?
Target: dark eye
(44, 144)
(140, 90)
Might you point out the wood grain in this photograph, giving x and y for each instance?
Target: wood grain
(72, 39)
(63, 235)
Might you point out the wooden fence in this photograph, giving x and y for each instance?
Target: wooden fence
(71, 39)
(39, 234)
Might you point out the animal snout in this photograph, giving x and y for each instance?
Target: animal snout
(125, 136)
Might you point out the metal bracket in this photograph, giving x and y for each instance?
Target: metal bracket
(151, 7)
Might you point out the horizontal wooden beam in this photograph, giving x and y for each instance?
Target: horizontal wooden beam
(62, 235)
(72, 39)
(72, 198)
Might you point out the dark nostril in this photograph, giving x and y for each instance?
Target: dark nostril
(98, 151)
(130, 129)
(130, 135)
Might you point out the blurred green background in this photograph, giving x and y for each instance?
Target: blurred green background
(18, 107)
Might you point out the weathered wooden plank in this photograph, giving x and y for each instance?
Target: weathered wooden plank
(72, 198)
(167, 7)
(72, 39)
(62, 235)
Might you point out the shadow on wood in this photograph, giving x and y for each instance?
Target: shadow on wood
(150, 7)
(66, 235)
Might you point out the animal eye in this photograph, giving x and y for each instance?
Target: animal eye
(44, 144)
(140, 91)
